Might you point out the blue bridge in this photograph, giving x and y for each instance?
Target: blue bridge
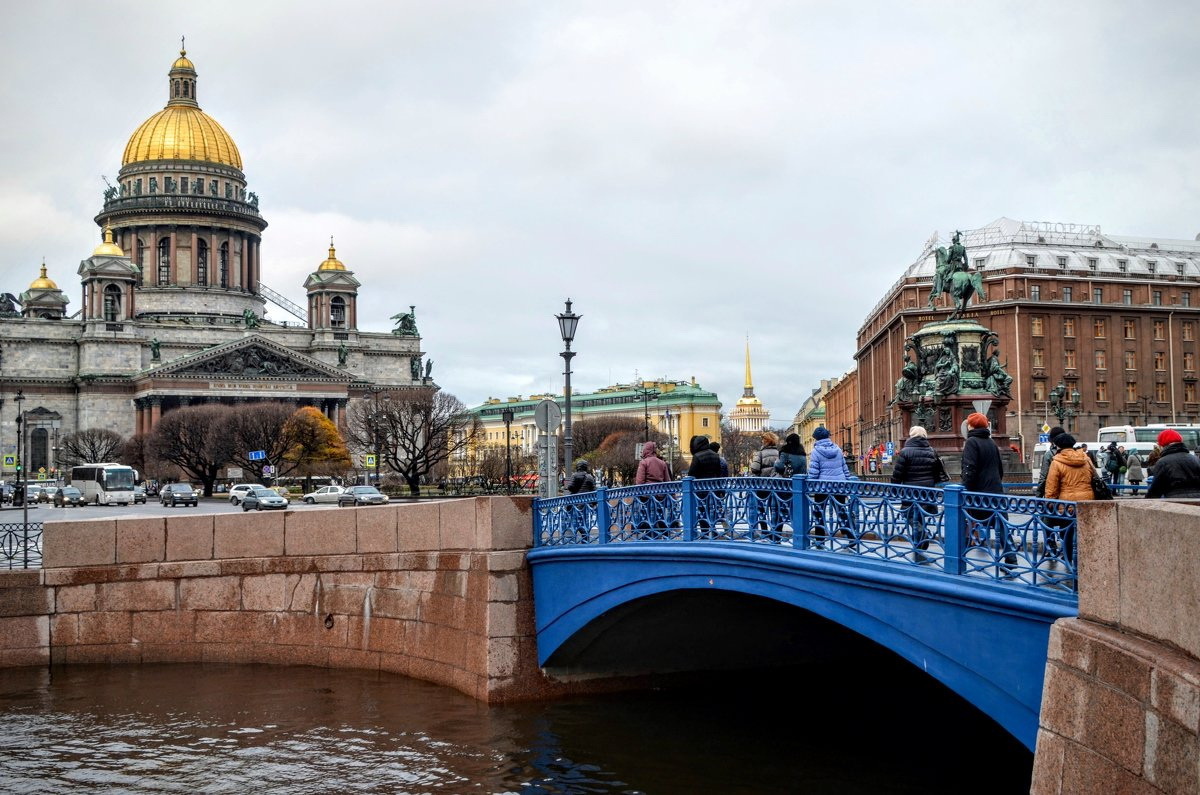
(725, 573)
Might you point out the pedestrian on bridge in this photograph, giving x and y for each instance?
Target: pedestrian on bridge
(983, 472)
(1070, 478)
(1051, 450)
(792, 458)
(582, 480)
(1177, 472)
(763, 466)
(651, 469)
(918, 464)
(827, 462)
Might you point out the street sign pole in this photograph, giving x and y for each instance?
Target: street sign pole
(547, 416)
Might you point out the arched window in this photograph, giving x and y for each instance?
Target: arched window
(337, 313)
(112, 303)
(39, 449)
(186, 86)
(176, 88)
(202, 263)
(223, 263)
(164, 261)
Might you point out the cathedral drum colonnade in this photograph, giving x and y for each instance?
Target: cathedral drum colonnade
(172, 303)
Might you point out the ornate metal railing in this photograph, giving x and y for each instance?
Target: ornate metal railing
(1012, 538)
(20, 545)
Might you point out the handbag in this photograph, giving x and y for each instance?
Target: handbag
(942, 475)
(1100, 489)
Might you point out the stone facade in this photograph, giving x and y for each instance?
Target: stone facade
(1121, 701)
(179, 275)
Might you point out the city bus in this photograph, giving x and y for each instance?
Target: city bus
(1143, 437)
(105, 484)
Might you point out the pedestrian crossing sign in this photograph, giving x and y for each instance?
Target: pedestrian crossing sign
(369, 460)
(10, 460)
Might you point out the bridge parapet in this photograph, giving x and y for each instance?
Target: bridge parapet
(1010, 538)
(1121, 704)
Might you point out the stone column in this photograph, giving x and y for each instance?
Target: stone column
(341, 412)
(137, 417)
(174, 263)
(155, 412)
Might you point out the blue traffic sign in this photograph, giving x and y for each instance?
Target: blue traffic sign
(256, 455)
(1043, 437)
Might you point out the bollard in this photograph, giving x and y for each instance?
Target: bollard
(688, 507)
(801, 515)
(602, 513)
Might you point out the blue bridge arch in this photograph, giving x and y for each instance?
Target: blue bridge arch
(984, 638)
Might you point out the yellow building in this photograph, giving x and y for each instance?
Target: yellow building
(678, 409)
(812, 412)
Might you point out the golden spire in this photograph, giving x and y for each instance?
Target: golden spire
(108, 248)
(333, 263)
(43, 282)
(749, 381)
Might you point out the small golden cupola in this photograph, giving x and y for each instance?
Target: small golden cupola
(43, 299)
(43, 282)
(332, 295)
(332, 263)
(108, 248)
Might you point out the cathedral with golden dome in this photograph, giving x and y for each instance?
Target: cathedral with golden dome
(173, 306)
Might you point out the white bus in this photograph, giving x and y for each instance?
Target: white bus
(1143, 437)
(105, 484)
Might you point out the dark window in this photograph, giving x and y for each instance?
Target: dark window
(1035, 292)
(187, 88)
(39, 449)
(1098, 295)
(183, 184)
(337, 313)
(1157, 300)
(112, 302)
(223, 264)
(164, 261)
(202, 263)
(176, 88)
(1066, 294)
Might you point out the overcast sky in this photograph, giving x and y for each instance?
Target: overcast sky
(687, 172)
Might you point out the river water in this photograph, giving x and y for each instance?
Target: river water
(235, 729)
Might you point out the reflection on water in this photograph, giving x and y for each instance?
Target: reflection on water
(237, 729)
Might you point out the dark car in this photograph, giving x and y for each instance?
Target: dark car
(68, 495)
(174, 494)
(260, 498)
(362, 495)
(139, 495)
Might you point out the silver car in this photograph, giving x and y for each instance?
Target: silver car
(261, 498)
(323, 494)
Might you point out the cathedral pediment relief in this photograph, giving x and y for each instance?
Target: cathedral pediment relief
(253, 358)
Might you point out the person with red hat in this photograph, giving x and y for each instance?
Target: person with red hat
(1177, 472)
(983, 471)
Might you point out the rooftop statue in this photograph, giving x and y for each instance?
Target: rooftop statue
(249, 318)
(342, 353)
(155, 349)
(954, 275)
(406, 323)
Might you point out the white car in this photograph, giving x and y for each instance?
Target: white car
(238, 493)
(323, 494)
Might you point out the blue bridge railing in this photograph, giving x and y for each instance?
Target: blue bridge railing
(1010, 538)
(20, 545)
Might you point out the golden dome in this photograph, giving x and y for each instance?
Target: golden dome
(332, 263)
(43, 282)
(108, 248)
(180, 132)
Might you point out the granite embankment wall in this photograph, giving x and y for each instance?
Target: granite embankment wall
(438, 591)
(1121, 703)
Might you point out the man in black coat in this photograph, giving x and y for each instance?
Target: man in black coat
(1177, 472)
(705, 463)
(917, 464)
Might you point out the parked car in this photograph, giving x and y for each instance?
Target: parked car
(260, 497)
(323, 494)
(174, 494)
(238, 491)
(36, 494)
(139, 495)
(362, 495)
(68, 495)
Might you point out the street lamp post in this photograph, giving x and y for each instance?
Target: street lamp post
(20, 398)
(1060, 406)
(507, 416)
(1144, 400)
(568, 321)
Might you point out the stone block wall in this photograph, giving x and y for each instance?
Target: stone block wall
(1121, 701)
(438, 591)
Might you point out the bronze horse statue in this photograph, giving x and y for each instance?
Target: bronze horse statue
(956, 279)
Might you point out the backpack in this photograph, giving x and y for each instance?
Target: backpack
(783, 466)
(1113, 463)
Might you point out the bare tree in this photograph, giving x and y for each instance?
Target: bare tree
(90, 446)
(265, 427)
(196, 440)
(414, 430)
(134, 453)
(588, 434)
(738, 448)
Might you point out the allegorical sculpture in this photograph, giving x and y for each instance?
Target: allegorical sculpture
(954, 275)
(155, 349)
(343, 352)
(908, 387)
(946, 369)
(414, 366)
(406, 323)
(249, 318)
(996, 378)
